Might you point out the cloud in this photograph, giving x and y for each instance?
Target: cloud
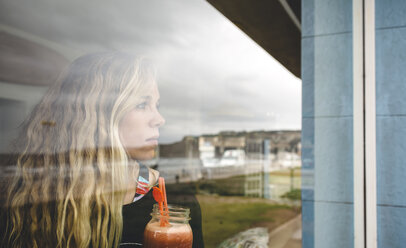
(212, 76)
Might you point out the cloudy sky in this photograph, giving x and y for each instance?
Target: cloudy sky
(212, 77)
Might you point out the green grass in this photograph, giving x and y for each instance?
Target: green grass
(223, 220)
(226, 212)
(294, 194)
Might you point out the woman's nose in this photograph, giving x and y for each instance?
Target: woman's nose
(158, 119)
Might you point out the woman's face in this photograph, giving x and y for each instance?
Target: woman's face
(139, 129)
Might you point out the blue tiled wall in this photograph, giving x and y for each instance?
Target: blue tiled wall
(390, 21)
(391, 226)
(390, 13)
(327, 138)
(333, 160)
(323, 17)
(333, 224)
(327, 122)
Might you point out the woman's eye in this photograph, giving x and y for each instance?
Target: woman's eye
(141, 105)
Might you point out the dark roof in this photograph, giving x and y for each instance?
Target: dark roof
(270, 24)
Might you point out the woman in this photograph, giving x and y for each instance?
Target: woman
(77, 165)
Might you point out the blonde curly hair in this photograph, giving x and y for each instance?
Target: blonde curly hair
(72, 171)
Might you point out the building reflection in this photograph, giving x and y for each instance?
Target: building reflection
(263, 164)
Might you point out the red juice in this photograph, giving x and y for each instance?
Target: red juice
(170, 236)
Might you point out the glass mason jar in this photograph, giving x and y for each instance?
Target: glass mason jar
(177, 233)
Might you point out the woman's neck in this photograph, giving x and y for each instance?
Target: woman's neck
(133, 172)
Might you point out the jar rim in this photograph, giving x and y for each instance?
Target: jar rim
(176, 212)
(173, 208)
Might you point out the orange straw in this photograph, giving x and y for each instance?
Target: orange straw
(164, 221)
(158, 196)
(165, 199)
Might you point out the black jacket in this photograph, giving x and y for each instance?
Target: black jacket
(137, 215)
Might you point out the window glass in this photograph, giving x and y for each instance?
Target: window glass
(99, 99)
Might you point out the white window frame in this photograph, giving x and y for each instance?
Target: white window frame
(364, 124)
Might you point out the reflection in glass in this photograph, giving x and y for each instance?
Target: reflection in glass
(218, 90)
(76, 160)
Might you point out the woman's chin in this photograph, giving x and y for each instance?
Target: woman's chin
(142, 153)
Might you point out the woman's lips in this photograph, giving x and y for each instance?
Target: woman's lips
(152, 141)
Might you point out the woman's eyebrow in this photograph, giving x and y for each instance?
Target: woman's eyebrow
(146, 97)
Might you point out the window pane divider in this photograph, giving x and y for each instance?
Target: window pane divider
(364, 128)
(358, 124)
(370, 126)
